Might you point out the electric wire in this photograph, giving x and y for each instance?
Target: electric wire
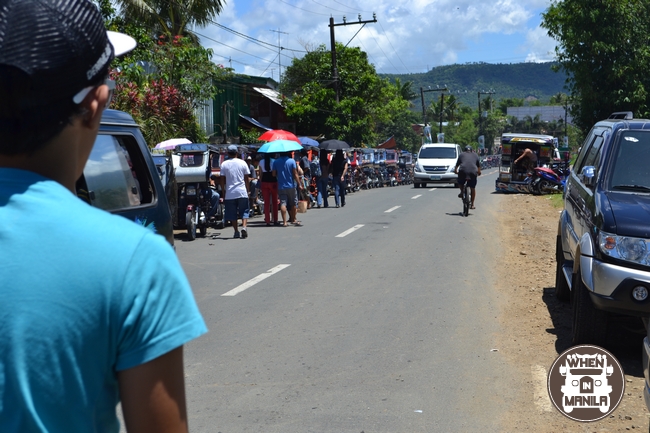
(391, 44)
(305, 10)
(357, 10)
(325, 6)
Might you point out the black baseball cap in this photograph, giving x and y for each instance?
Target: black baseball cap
(62, 45)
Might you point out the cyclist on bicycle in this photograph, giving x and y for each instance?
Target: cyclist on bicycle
(468, 167)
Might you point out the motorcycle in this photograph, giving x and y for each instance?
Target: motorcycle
(391, 176)
(547, 181)
(195, 213)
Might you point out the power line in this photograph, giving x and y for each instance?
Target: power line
(355, 9)
(305, 10)
(320, 4)
(226, 45)
(391, 44)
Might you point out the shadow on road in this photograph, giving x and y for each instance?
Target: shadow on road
(624, 337)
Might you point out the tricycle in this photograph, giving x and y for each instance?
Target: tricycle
(199, 202)
(524, 159)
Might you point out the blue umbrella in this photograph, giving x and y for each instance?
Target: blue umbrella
(279, 146)
(306, 141)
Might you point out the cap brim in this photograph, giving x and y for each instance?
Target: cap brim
(122, 43)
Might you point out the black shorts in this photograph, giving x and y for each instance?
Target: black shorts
(470, 178)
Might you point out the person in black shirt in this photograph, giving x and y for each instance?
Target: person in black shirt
(339, 168)
(468, 167)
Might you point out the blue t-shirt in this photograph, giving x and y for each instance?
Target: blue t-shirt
(284, 167)
(83, 294)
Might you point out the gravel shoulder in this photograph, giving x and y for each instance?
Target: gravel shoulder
(539, 326)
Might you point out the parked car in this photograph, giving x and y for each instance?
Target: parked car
(121, 177)
(435, 164)
(603, 236)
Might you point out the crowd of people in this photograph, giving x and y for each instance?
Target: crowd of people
(279, 182)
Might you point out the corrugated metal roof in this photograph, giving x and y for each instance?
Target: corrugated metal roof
(269, 93)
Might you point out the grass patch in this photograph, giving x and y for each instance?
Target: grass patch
(556, 200)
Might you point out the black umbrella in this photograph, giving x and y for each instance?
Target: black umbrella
(334, 145)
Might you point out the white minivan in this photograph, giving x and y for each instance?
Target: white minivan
(436, 163)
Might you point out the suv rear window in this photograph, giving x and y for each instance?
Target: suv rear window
(116, 176)
(438, 152)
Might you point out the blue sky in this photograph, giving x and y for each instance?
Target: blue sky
(411, 36)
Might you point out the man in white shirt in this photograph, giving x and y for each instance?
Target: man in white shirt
(234, 182)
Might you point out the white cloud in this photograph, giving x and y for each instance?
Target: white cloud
(408, 37)
(540, 47)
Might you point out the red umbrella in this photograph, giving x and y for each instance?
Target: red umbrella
(278, 134)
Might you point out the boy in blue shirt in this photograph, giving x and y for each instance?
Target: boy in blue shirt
(95, 308)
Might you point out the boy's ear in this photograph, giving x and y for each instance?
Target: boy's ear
(93, 105)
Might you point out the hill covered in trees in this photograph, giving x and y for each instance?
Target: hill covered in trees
(507, 80)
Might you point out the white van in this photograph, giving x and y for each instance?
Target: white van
(436, 163)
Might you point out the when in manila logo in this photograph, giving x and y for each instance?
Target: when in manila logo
(586, 383)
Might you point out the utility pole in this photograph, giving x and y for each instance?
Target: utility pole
(335, 72)
(480, 122)
(279, 53)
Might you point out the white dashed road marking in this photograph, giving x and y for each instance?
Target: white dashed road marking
(417, 196)
(348, 231)
(250, 283)
(433, 189)
(392, 209)
(540, 391)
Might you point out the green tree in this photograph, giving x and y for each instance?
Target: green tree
(393, 118)
(406, 90)
(311, 96)
(504, 103)
(170, 17)
(558, 99)
(603, 48)
(465, 131)
(452, 105)
(163, 80)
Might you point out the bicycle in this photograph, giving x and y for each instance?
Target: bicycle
(467, 198)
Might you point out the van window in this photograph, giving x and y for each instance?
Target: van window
(438, 153)
(116, 176)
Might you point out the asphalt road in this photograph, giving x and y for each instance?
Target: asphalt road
(388, 328)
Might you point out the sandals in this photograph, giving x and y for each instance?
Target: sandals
(297, 223)
(472, 207)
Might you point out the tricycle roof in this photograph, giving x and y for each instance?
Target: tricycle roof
(191, 147)
(531, 138)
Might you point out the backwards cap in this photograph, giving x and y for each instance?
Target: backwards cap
(62, 45)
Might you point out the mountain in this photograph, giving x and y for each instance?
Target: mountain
(507, 80)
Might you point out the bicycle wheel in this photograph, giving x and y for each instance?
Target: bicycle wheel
(466, 199)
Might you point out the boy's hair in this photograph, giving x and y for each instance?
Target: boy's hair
(26, 124)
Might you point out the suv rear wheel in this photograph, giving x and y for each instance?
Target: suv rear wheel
(589, 323)
(562, 291)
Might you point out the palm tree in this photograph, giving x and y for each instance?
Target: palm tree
(170, 17)
(451, 107)
(406, 91)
